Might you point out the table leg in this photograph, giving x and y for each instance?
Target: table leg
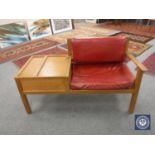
(23, 97)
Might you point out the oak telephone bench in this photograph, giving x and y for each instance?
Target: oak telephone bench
(93, 65)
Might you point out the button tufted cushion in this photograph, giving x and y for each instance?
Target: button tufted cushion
(92, 50)
(101, 76)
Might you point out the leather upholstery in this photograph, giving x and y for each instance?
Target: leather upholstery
(101, 76)
(92, 50)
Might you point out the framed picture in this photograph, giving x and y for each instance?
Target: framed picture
(39, 28)
(12, 34)
(61, 25)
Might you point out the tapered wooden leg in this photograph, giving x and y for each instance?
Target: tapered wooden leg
(26, 104)
(133, 103)
(23, 97)
(136, 91)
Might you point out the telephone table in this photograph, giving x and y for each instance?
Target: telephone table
(43, 74)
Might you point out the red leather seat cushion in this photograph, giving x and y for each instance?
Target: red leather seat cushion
(101, 76)
(108, 49)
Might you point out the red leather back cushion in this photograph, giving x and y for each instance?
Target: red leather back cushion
(108, 49)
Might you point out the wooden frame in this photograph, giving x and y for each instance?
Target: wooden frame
(134, 90)
(140, 70)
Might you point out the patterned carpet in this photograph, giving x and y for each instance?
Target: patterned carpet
(21, 50)
(131, 28)
(150, 64)
(82, 30)
(137, 48)
(64, 46)
(56, 50)
(135, 37)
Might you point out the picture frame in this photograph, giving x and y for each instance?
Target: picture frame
(38, 28)
(12, 34)
(61, 25)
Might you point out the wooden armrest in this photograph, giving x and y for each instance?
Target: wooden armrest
(137, 62)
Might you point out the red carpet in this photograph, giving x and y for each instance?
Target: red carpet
(134, 37)
(132, 28)
(25, 49)
(64, 46)
(55, 50)
(150, 64)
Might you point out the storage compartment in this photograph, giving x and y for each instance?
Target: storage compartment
(42, 84)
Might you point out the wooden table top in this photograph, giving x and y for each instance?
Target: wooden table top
(46, 66)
